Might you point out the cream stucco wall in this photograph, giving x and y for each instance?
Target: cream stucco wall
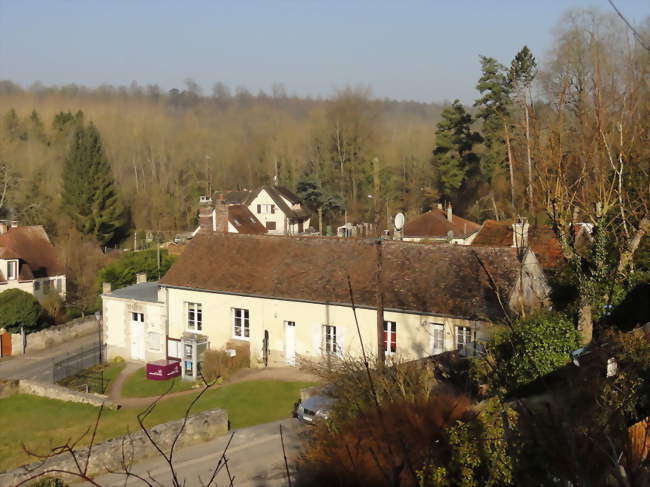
(414, 336)
(117, 327)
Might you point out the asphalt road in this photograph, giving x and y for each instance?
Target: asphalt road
(38, 365)
(254, 456)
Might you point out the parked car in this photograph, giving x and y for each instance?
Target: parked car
(315, 408)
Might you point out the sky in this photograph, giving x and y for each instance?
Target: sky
(408, 50)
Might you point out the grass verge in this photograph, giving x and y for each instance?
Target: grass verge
(42, 423)
(137, 385)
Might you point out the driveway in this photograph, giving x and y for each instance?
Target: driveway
(38, 365)
(255, 459)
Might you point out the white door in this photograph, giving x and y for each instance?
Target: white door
(137, 336)
(438, 335)
(290, 342)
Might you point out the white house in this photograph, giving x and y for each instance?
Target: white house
(289, 297)
(29, 261)
(279, 210)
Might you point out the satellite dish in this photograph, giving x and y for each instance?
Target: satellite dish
(399, 221)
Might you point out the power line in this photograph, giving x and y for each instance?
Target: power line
(637, 36)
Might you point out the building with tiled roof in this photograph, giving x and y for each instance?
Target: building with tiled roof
(508, 233)
(441, 225)
(29, 261)
(288, 297)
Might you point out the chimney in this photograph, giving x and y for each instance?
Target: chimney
(220, 216)
(520, 233)
(205, 215)
(141, 277)
(440, 206)
(449, 213)
(106, 288)
(3, 227)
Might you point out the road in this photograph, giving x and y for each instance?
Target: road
(255, 459)
(38, 365)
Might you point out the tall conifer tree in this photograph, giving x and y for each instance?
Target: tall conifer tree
(89, 195)
(453, 156)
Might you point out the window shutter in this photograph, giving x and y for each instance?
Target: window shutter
(259, 209)
(317, 340)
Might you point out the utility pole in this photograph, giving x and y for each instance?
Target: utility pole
(381, 353)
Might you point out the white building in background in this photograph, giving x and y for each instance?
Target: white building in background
(29, 261)
(285, 298)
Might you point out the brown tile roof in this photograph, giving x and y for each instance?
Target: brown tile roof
(232, 197)
(33, 247)
(541, 240)
(438, 279)
(244, 221)
(434, 224)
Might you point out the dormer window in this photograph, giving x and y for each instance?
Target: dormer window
(12, 270)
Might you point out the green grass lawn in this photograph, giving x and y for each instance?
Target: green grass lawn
(90, 377)
(137, 385)
(45, 423)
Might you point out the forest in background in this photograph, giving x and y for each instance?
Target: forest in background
(368, 157)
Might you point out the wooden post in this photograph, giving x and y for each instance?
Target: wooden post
(381, 355)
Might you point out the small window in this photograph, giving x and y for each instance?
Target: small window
(241, 327)
(194, 316)
(390, 337)
(137, 317)
(37, 285)
(259, 209)
(272, 209)
(12, 270)
(270, 225)
(330, 339)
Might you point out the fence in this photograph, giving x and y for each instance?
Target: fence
(75, 363)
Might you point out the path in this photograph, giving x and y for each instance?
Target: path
(38, 365)
(287, 374)
(254, 458)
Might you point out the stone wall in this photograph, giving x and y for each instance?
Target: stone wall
(55, 335)
(53, 391)
(108, 455)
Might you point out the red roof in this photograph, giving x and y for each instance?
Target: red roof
(541, 239)
(244, 221)
(33, 247)
(434, 224)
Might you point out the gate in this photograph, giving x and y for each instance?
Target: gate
(5, 345)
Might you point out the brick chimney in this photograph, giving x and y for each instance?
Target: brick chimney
(220, 216)
(206, 223)
(520, 233)
(141, 277)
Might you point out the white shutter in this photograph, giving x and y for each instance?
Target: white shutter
(317, 340)
(340, 341)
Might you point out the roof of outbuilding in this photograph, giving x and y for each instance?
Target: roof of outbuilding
(541, 239)
(31, 245)
(144, 291)
(434, 224)
(244, 221)
(449, 280)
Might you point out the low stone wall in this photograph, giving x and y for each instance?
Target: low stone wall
(55, 335)
(109, 455)
(61, 393)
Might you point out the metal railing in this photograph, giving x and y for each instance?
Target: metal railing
(78, 361)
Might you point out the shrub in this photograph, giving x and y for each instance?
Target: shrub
(218, 364)
(122, 271)
(527, 350)
(19, 308)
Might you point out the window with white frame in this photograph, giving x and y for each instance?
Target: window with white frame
(463, 338)
(12, 270)
(438, 337)
(194, 316)
(390, 337)
(330, 339)
(240, 323)
(59, 285)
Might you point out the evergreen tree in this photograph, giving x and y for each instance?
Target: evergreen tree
(13, 127)
(89, 195)
(36, 128)
(453, 156)
(493, 109)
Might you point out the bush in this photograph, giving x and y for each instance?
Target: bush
(19, 308)
(122, 271)
(218, 364)
(48, 482)
(527, 350)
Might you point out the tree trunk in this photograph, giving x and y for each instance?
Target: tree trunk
(585, 320)
(632, 245)
(320, 220)
(530, 164)
(512, 173)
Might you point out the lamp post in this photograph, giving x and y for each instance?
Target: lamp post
(98, 317)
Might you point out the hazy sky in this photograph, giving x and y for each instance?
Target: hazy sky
(422, 50)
